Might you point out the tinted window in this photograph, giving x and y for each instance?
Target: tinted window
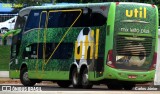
(66, 19)
(43, 20)
(33, 20)
(64, 51)
(20, 22)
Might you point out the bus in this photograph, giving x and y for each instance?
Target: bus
(157, 73)
(111, 43)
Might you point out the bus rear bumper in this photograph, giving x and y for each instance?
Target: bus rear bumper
(129, 75)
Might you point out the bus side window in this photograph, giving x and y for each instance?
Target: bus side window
(64, 51)
(53, 19)
(97, 22)
(43, 20)
(62, 19)
(33, 20)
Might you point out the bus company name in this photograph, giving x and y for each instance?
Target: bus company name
(137, 13)
(93, 46)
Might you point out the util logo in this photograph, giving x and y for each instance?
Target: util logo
(137, 13)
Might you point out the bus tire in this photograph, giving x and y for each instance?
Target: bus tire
(85, 82)
(76, 80)
(24, 78)
(64, 84)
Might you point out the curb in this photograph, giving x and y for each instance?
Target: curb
(4, 74)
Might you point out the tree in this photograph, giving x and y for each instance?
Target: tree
(32, 2)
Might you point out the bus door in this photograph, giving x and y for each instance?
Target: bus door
(99, 30)
(96, 67)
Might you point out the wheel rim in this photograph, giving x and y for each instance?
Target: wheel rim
(85, 78)
(75, 77)
(25, 76)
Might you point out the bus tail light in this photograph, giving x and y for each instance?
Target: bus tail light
(153, 65)
(110, 59)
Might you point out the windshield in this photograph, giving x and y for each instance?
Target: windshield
(20, 22)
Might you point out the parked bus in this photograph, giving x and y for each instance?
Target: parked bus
(85, 44)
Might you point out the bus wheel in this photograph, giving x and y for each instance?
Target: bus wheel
(85, 82)
(24, 78)
(64, 84)
(75, 79)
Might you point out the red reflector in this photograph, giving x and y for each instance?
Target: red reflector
(132, 76)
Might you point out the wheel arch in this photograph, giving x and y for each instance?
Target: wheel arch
(23, 65)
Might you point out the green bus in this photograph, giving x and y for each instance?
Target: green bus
(112, 43)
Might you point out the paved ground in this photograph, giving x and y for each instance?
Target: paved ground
(83, 92)
(52, 88)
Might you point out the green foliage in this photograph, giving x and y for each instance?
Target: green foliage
(4, 57)
(87, 1)
(32, 2)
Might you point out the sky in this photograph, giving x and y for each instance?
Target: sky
(5, 8)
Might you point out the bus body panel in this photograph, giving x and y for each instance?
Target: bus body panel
(108, 41)
(134, 51)
(142, 73)
(129, 75)
(59, 66)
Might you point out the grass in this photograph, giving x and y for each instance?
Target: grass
(4, 58)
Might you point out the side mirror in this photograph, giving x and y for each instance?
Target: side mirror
(14, 32)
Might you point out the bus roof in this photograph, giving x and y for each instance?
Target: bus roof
(67, 5)
(61, 6)
(75, 5)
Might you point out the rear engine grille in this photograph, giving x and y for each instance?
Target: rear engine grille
(140, 46)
